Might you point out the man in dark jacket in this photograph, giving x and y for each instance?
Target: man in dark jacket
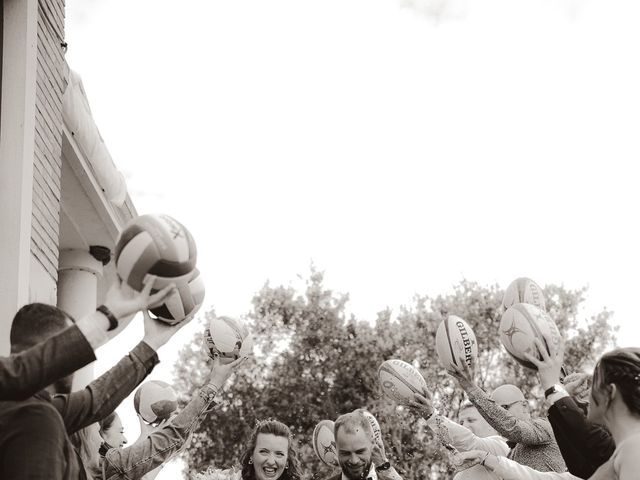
(35, 365)
(34, 433)
(584, 445)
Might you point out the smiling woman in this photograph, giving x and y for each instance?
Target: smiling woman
(270, 454)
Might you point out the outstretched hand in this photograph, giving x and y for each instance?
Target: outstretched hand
(124, 301)
(468, 459)
(578, 384)
(462, 373)
(422, 404)
(147, 429)
(378, 454)
(221, 372)
(548, 362)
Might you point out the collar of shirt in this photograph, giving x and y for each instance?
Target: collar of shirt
(373, 475)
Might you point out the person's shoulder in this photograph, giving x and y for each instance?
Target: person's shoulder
(629, 447)
(543, 422)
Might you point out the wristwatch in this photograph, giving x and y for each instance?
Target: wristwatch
(385, 466)
(557, 388)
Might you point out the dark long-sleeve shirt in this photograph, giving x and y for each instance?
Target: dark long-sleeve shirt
(584, 445)
(103, 395)
(79, 409)
(25, 373)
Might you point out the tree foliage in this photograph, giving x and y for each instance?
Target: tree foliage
(314, 362)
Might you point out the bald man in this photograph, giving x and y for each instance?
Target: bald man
(507, 410)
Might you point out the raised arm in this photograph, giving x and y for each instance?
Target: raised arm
(464, 439)
(28, 372)
(450, 432)
(507, 469)
(527, 432)
(149, 453)
(25, 373)
(103, 395)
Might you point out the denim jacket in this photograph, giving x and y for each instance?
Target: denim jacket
(134, 462)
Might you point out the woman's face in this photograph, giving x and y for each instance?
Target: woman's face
(270, 456)
(114, 435)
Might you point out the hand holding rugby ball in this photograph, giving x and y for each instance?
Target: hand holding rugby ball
(455, 340)
(400, 381)
(228, 339)
(520, 325)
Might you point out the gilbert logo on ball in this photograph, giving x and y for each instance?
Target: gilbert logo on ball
(227, 338)
(520, 325)
(324, 443)
(184, 301)
(454, 340)
(155, 401)
(400, 381)
(155, 245)
(523, 290)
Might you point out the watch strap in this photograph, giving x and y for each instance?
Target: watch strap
(113, 321)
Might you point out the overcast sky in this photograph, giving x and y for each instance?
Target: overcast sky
(399, 145)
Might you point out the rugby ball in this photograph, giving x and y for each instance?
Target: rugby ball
(523, 290)
(400, 381)
(324, 443)
(155, 401)
(454, 340)
(155, 245)
(227, 338)
(375, 426)
(520, 325)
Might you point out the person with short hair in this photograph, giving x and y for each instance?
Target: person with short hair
(42, 355)
(615, 404)
(359, 456)
(25, 449)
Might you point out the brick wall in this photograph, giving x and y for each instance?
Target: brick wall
(51, 82)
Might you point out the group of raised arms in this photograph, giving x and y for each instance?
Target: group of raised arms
(592, 427)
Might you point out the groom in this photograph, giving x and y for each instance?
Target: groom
(359, 456)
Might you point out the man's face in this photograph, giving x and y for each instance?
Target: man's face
(519, 409)
(354, 453)
(471, 418)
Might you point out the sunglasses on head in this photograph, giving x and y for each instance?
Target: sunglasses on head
(509, 405)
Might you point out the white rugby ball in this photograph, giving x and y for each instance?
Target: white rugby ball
(523, 290)
(454, 340)
(520, 325)
(324, 443)
(227, 338)
(400, 381)
(375, 426)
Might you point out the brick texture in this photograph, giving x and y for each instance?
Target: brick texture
(50, 85)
